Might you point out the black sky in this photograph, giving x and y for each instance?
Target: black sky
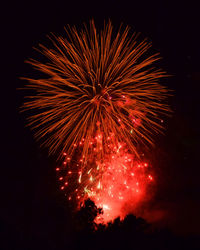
(32, 207)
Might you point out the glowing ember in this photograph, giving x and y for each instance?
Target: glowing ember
(112, 182)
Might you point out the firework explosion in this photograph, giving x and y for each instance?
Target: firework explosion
(100, 101)
(111, 182)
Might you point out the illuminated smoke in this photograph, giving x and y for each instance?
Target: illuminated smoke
(117, 180)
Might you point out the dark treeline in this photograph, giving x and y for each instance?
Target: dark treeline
(84, 233)
(131, 233)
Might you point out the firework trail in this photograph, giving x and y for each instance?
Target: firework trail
(100, 100)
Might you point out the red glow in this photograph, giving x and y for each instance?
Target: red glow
(112, 183)
(98, 123)
(99, 93)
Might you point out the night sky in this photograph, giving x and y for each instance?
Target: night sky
(32, 207)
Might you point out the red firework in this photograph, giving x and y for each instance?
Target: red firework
(113, 182)
(100, 100)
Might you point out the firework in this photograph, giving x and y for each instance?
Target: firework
(100, 100)
(112, 182)
(96, 83)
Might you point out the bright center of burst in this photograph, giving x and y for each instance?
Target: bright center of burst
(106, 207)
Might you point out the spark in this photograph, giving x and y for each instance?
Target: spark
(99, 185)
(79, 179)
(89, 171)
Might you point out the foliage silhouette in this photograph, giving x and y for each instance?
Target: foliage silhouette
(130, 233)
(85, 217)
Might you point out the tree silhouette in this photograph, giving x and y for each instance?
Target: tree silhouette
(130, 233)
(85, 217)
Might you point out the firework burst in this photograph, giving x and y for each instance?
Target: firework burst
(101, 99)
(96, 83)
